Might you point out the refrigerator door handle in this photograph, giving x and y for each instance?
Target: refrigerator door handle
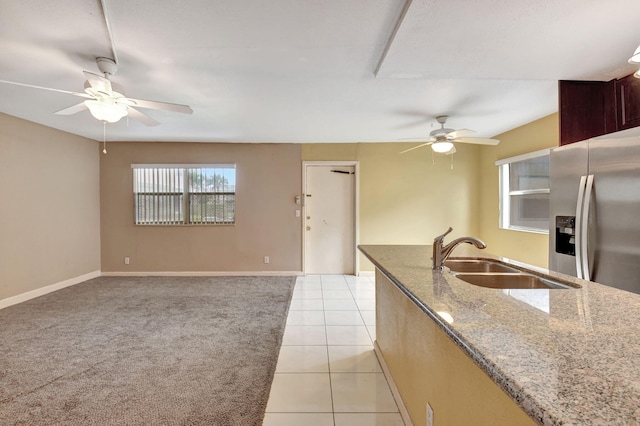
(578, 228)
(585, 228)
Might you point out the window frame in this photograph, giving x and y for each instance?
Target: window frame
(187, 193)
(505, 192)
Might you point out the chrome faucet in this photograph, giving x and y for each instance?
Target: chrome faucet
(441, 253)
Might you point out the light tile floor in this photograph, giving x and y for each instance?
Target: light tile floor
(327, 372)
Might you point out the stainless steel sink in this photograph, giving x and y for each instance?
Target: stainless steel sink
(478, 265)
(492, 273)
(510, 281)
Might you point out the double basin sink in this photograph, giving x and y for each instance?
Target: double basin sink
(491, 273)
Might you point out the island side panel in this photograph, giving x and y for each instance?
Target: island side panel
(428, 367)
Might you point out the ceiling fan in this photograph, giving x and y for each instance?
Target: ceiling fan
(106, 100)
(442, 139)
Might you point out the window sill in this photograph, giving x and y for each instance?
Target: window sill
(529, 230)
(184, 225)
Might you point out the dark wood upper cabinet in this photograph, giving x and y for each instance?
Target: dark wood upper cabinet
(628, 102)
(593, 108)
(587, 109)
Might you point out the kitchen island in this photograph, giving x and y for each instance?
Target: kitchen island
(493, 356)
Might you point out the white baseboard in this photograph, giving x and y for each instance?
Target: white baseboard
(201, 273)
(13, 300)
(367, 273)
(392, 385)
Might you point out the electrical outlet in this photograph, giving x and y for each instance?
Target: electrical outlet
(266, 259)
(126, 260)
(429, 415)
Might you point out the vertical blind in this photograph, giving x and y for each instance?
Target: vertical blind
(178, 195)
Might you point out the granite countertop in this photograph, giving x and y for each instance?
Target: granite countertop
(566, 356)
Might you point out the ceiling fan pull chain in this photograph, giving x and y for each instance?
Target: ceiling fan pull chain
(104, 137)
(451, 161)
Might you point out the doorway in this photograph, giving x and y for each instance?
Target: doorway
(330, 217)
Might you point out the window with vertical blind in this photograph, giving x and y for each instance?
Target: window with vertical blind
(170, 194)
(524, 192)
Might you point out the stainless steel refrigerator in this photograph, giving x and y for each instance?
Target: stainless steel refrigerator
(595, 210)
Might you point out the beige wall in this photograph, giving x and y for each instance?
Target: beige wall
(406, 198)
(268, 177)
(523, 246)
(50, 214)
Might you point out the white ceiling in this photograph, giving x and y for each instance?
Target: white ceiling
(312, 70)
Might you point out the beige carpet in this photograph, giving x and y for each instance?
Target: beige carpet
(145, 350)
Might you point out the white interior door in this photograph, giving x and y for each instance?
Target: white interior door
(329, 219)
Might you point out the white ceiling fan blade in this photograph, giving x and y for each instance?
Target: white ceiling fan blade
(82, 95)
(416, 147)
(478, 141)
(460, 133)
(72, 109)
(164, 106)
(419, 139)
(142, 117)
(99, 82)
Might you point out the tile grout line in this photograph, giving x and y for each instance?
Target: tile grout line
(326, 336)
(360, 312)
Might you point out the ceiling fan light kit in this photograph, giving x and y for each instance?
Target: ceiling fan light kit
(442, 147)
(635, 59)
(106, 109)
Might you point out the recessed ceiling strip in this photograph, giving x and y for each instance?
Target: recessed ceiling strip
(405, 9)
(107, 21)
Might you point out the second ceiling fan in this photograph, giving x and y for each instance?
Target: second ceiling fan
(442, 140)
